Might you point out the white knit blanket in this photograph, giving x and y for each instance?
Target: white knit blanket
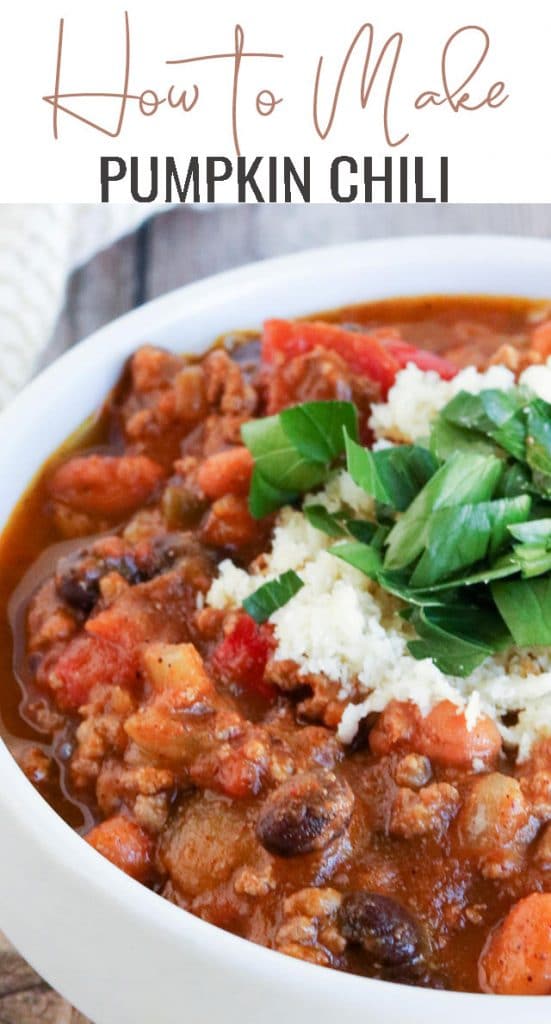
(39, 247)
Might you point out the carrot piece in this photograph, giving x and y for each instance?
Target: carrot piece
(125, 844)
(226, 473)
(105, 485)
(516, 959)
(444, 737)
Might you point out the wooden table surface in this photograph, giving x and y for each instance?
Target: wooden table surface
(183, 245)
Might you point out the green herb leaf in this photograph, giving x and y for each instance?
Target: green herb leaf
(363, 557)
(538, 444)
(498, 414)
(516, 480)
(393, 476)
(277, 459)
(533, 559)
(457, 638)
(272, 595)
(447, 438)
(507, 565)
(461, 537)
(264, 498)
(316, 428)
(463, 478)
(535, 531)
(366, 531)
(398, 584)
(321, 519)
(525, 606)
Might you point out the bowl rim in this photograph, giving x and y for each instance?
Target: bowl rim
(44, 828)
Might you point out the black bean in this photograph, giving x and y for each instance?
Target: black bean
(305, 814)
(80, 591)
(384, 929)
(125, 566)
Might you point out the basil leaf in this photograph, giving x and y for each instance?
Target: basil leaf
(326, 522)
(461, 537)
(516, 480)
(463, 478)
(264, 498)
(447, 438)
(272, 595)
(498, 414)
(365, 531)
(512, 436)
(532, 532)
(277, 459)
(525, 606)
(361, 556)
(457, 638)
(360, 463)
(393, 476)
(538, 443)
(507, 565)
(533, 559)
(315, 429)
(397, 584)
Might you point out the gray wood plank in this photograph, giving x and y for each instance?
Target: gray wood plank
(187, 244)
(99, 292)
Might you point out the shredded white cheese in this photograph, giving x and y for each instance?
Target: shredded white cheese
(344, 626)
(418, 395)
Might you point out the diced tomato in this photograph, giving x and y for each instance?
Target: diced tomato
(378, 355)
(85, 662)
(242, 655)
(364, 353)
(406, 353)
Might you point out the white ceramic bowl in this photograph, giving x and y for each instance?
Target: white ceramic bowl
(120, 953)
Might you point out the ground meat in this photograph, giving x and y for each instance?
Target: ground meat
(321, 702)
(413, 770)
(49, 619)
(309, 930)
(100, 732)
(144, 789)
(429, 810)
(536, 788)
(254, 881)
